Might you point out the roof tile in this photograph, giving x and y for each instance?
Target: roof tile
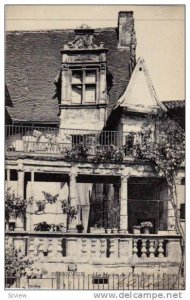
(33, 60)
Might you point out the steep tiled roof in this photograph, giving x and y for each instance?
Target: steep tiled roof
(176, 110)
(33, 60)
(174, 104)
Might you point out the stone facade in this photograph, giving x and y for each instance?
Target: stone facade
(110, 197)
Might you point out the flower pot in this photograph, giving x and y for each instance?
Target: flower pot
(146, 230)
(11, 226)
(136, 231)
(115, 230)
(12, 219)
(79, 228)
(108, 230)
(98, 230)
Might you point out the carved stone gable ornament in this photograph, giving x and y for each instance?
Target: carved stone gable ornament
(83, 40)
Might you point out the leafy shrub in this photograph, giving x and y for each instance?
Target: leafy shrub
(14, 205)
(77, 152)
(70, 211)
(109, 154)
(16, 265)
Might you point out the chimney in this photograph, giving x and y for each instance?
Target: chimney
(125, 28)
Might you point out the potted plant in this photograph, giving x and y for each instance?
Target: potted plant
(11, 226)
(146, 226)
(97, 228)
(110, 153)
(136, 229)
(15, 208)
(61, 227)
(70, 211)
(43, 226)
(77, 152)
(79, 228)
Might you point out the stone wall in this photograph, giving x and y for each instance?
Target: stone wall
(83, 118)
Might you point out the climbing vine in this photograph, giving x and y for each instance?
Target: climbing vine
(164, 147)
(111, 154)
(67, 209)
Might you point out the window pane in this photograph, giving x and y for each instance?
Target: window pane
(76, 94)
(77, 76)
(90, 93)
(91, 76)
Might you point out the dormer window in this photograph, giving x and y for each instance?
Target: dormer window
(84, 86)
(84, 69)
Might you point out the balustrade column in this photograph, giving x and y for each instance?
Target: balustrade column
(85, 250)
(143, 249)
(152, 248)
(54, 249)
(114, 248)
(135, 249)
(124, 204)
(73, 199)
(103, 247)
(94, 249)
(160, 248)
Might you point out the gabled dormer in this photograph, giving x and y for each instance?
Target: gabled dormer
(138, 100)
(140, 95)
(83, 70)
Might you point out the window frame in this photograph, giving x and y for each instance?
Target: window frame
(85, 84)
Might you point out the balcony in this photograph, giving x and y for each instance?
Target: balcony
(70, 143)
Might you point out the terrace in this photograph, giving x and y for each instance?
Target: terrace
(71, 143)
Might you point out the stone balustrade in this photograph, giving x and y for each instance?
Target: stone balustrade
(56, 247)
(147, 248)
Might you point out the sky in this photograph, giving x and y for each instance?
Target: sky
(159, 30)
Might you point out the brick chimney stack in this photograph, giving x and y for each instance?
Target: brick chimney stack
(125, 28)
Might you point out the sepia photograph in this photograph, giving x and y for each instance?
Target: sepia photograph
(94, 147)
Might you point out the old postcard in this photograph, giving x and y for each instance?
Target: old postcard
(94, 147)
